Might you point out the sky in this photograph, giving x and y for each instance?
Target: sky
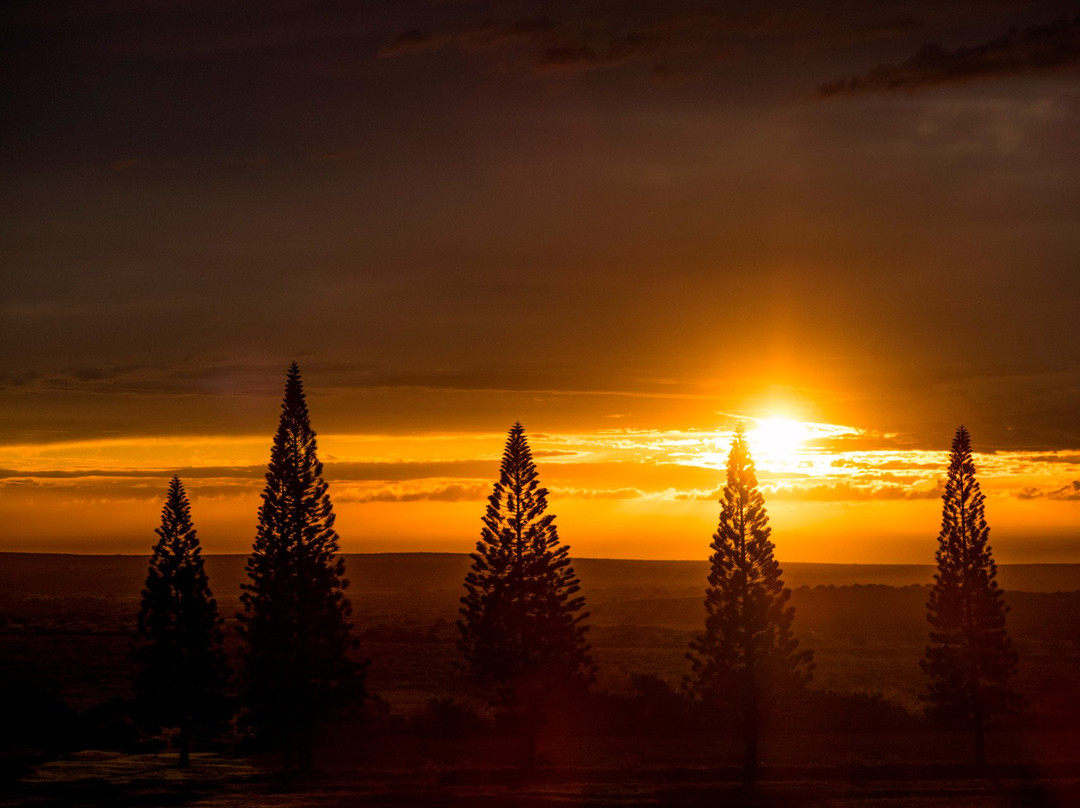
(852, 225)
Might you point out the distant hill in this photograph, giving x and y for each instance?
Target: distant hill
(68, 619)
(44, 575)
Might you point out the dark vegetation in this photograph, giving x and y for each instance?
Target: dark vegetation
(66, 624)
(295, 626)
(180, 677)
(748, 663)
(65, 671)
(513, 685)
(970, 658)
(522, 631)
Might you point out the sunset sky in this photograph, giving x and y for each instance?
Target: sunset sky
(852, 225)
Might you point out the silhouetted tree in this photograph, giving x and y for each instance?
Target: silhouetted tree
(295, 624)
(178, 647)
(748, 652)
(970, 657)
(522, 630)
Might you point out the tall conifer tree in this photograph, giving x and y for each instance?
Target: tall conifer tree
(522, 626)
(178, 648)
(970, 657)
(295, 622)
(748, 651)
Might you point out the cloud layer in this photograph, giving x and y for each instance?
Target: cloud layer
(1041, 48)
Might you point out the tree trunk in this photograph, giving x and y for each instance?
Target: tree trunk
(978, 721)
(530, 749)
(287, 753)
(980, 737)
(185, 744)
(750, 726)
(750, 739)
(306, 752)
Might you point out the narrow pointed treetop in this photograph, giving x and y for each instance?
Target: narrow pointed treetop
(748, 619)
(970, 658)
(181, 661)
(295, 621)
(522, 614)
(748, 654)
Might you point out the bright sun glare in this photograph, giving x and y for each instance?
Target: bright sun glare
(776, 438)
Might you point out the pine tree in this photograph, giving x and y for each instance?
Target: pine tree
(970, 657)
(522, 626)
(295, 624)
(178, 647)
(748, 652)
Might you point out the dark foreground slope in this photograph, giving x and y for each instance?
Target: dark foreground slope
(121, 576)
(66, 623)
(66, 620)
(216, 781)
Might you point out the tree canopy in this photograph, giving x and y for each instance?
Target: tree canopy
(970, 658)
(522, 617)
(181, 662)
(748, 650)
(296, 620)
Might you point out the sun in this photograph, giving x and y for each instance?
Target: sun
(776, 438)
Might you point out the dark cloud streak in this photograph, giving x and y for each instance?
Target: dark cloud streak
(242, 184)
(1042, 48)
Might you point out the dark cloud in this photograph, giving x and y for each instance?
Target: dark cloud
(586, 40)
(200, 376)
(209, 375)
(333, 471)
(412, 41)
(532, 26)
(449, 492)
(601, 212)
(1062, 457)
(1069, 492)
(597, 493)
(496, 33)
(192, 472)
(559, 56)
(617, 50)
(392, 471)
(861, 441)
(819, 492)
(1028, 492)
(1039, 48)
(891, 28)
(124, 164)
(834, 492)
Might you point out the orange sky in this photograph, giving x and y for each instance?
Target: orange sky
(834, 493)
(623, 225)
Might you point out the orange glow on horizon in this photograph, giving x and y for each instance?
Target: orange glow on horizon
(833, 492)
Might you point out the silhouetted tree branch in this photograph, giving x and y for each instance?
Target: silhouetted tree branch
(295, 624)
(178, 649)
(748, 652)
(970, 657)
(522, 626)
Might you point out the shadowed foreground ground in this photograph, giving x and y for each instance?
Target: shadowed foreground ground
(65, 676)
(106, 778)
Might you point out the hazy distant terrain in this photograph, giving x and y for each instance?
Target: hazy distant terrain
(66, 623)
(68, 618)
(118, 576)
